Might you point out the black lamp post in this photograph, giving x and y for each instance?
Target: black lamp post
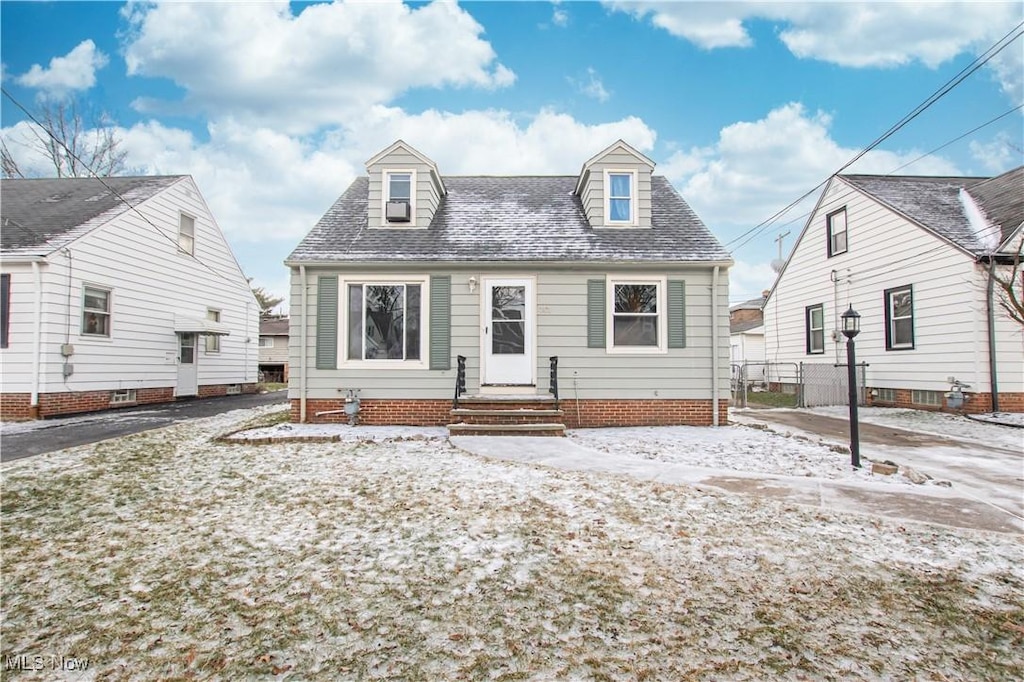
(851, 327)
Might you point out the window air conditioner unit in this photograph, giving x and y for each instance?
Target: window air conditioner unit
(397, 211)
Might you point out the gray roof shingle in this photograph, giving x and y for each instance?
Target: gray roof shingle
(39, 216)
(503, 219)
(935, 202)
(274, 326)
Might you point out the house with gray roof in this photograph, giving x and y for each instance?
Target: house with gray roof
(587, 300)
(920, 259)
(118, 292)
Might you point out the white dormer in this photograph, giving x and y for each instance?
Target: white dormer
(405, 188)
(615, 188)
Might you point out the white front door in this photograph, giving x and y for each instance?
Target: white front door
(188, 379)
(508, 358)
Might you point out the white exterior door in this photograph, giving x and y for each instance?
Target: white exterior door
(188, 378)
(508, 352)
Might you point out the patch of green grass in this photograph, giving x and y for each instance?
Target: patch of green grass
(769, 399)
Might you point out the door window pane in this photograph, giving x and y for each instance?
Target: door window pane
(508, 313)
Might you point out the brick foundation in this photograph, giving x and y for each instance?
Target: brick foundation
(976, 403)
(591, 413)
(16, 406)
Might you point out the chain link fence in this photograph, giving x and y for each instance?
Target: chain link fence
(791, 384)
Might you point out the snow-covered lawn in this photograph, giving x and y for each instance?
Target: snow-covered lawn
(391, 554)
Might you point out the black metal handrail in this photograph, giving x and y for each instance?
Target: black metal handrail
(460, 380)
(553, 378)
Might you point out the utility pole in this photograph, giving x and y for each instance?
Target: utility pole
(779, 241)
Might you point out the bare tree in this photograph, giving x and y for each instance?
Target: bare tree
(266, 300)
(1010, 288)
(73, 148)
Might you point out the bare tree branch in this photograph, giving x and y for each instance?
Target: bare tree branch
(1011, 288)
(73, 149)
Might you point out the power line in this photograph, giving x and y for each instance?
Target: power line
(113, 191)
(978, 62)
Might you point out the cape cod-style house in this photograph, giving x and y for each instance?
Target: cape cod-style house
(590, 300)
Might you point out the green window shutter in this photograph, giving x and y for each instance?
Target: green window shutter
(596, 314)
(440, 322)
(676, 314)
(327, 323)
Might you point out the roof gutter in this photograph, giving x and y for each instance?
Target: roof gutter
(508, 265)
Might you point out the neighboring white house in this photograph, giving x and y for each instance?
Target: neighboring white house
(118, 291)
(912, 256)
(604, 286)
(274, 349)
(746, 339)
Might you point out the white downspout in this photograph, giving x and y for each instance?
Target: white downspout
(714, 347)
(302, 345)
(37, 333)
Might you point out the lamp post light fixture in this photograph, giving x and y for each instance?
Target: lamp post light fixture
(851, 327)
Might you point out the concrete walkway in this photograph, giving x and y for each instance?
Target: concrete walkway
(930, 504)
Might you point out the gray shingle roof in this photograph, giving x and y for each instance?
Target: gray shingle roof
(752, 304)
(39, 216)
(745, 325)
(502, 219)
(274, 326)
(935, 202)
(1002, 200)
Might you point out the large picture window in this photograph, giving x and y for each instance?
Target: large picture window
(95, 311)
(814, 319)
(837, 234)
(899, 318)
(384, 321)
(636, 315)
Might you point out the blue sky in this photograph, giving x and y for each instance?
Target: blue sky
(275, 107)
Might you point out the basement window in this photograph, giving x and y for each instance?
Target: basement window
(933, 398)
(124, 395)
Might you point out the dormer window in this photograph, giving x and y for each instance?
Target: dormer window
(398, 198)
(620, 193)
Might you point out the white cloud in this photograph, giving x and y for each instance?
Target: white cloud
(999, 155)
(559, 16)
(260, 63)
(74, 71)
(591, 86)
(756, 168)
(747, 280)
(852, 34)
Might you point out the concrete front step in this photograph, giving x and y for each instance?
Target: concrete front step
(541, 429)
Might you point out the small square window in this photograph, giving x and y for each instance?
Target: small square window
(814, 320)
(95, 311)
(187, 234)
(213, 340)
(400, 186)
(125, 395)
(266, 342)
(837, 233)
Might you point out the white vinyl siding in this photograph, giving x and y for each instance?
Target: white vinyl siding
(426, 193)
(148, 286)
(561, 296)
(950, 323)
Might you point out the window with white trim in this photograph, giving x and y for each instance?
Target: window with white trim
(385, 321)
(95, 311)
(837, 234)
(637, 315)
(266, 342)
(213, 340)
(814, 321)
(399, 197)
(187, 234)
(620, 197)
(899, 318)
(885, 395)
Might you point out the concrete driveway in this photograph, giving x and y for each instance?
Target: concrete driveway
(18, 440)
(987, 474)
